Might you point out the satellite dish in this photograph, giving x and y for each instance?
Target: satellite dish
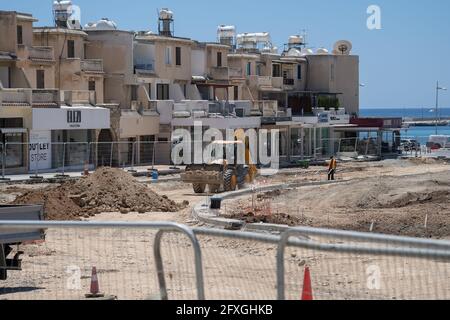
(342, 47)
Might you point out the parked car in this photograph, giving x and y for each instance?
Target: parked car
(438, 142)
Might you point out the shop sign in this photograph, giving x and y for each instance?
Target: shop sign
(40, 150)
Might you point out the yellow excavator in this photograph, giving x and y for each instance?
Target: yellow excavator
(219, 175)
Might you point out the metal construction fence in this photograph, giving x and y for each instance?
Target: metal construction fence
(164, 260)
(61, 157)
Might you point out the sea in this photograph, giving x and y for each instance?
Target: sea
(421, 133)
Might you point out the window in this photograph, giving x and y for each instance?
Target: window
(299, 72)
(168, 56)
(219, 59)
(276, 71)
(178, 56)
(70, 49)
(134, 93)
(40, 79)
(162, 91)
(249, 68)
(258, 70)
(92, 85)
(19, 35)
(236, 93)
(11, 123)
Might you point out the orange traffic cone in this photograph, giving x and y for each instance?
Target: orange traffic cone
(307, 293)
(95, 289)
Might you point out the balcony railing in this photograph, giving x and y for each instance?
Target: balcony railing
(41, 53)
(266, 82)
(92, 65)
(235, 73)
(15, 97)
(145, 67)
(42, 98)
(77, 97)
(220, 73)
(277, 82)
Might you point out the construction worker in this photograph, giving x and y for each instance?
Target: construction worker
(332, 169)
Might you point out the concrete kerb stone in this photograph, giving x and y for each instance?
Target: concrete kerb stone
(62, 179)
(203, 213)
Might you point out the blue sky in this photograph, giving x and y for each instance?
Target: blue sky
(399, 64)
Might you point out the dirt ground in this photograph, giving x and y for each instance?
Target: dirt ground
(406, 198)
(397, 195)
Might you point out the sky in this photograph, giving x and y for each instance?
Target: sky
(399, 63)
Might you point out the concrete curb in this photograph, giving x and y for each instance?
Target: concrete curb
(204, 214)
(59, 180)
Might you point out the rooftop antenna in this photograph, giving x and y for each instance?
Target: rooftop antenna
(305, 35)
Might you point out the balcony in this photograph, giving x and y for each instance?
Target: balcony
(45, 98)
(145, 68)
(220, 73)
(235, 73)
(270, 110)
(15, 97)
(41, 53)
(164, 108)
(78, 97)
(277, 82)
(265, 82)
(92, 65)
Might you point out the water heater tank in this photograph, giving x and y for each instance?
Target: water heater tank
(322, 51)
(296, 40)
(165, 14)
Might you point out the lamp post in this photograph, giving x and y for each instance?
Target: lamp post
(437, 103)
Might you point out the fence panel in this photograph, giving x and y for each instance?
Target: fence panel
(233, 268)
(344, 267)
(123, 254)
(169, 261)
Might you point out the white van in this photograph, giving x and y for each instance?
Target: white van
(439, 141)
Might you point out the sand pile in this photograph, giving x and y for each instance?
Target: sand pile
(107, 190)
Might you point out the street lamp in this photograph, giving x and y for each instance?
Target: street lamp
(437, 103)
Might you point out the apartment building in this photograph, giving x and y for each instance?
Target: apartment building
(26, 71)
(127, 94)
(301, 93)
(189, 83)
(129, 91)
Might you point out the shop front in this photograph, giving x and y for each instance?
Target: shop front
(13, 138)
(65, 136)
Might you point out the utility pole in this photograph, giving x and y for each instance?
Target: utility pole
(437, 103)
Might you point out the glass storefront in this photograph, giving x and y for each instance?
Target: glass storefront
(12, 139)
(15, 149)
(71, 147)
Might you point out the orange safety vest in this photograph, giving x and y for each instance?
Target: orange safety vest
(333, 164)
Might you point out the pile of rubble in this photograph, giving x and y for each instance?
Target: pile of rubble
(106, 190)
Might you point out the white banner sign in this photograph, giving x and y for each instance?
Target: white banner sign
(67, 118)
(40, 150)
